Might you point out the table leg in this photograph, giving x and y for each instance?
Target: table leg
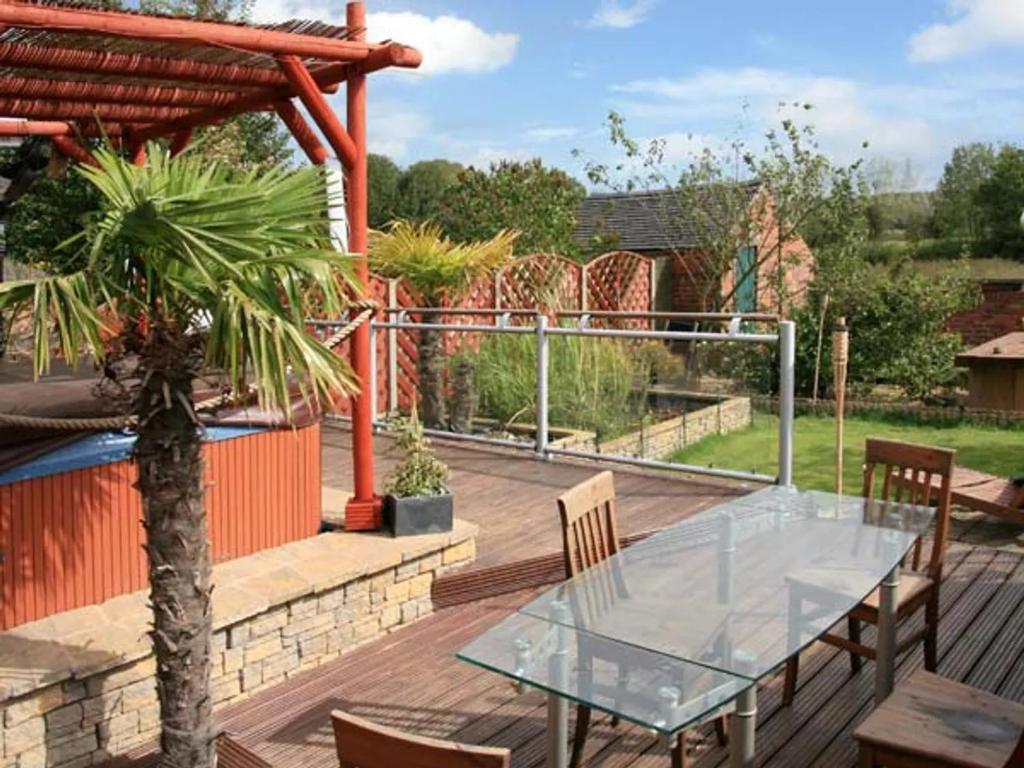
(885, 661)
(741, 730)
(558, 731)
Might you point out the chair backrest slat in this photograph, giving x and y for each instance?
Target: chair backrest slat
(362, 744)
(909, 473)
(589, 530)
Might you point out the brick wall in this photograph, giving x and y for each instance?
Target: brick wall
(84, 720)
(1000, 312)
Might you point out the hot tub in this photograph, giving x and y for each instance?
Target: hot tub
(70, 517)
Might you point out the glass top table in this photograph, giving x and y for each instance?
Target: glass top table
(678, 628)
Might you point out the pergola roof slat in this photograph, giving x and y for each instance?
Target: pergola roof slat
(90, 92)
(183, 32)
(101, 64)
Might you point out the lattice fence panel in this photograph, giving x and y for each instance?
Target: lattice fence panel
(479, 296)
(620, 281)
(543, 281)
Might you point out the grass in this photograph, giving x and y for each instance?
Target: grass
(980, 268)
(982, 447)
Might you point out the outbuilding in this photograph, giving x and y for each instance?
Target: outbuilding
(996, 373)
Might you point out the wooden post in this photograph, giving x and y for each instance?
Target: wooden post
(840, 361)
(363, 511)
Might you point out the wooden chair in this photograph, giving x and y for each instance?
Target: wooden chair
(934, 722)
(590, 535)
(362, 744)
(908, 475)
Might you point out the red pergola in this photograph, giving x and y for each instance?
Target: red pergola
(68, 70)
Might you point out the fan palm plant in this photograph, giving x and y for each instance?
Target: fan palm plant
(191, 268)
(437, 269)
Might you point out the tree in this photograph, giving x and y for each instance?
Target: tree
(1000, 199)
(383, 180)
(737, 199)
(955, 201)
(439, 270)
(540, 203)
(194, 268)
(421, 186)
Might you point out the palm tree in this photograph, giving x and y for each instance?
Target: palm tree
(192, 268)
(437, 269)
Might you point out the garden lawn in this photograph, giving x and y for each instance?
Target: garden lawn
(999, 450)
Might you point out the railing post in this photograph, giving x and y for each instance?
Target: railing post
(542, 385)
(787, 364)
(392, 347)
(374, 412)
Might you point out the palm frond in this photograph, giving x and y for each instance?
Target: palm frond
(66, 304)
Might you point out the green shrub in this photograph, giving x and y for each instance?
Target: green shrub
(593, 384)
(420, 472)
(897, 321)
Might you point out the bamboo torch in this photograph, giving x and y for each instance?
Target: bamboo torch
(840, 360)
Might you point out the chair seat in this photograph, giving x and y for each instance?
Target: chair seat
(944, 723)
(910, 593)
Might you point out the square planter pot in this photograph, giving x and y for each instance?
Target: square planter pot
(414, 515)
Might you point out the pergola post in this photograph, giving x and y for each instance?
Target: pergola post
(364, 509)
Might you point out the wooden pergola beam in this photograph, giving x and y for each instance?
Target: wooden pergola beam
(305, 88)
(303, 134)
(69, 147)
(54, 128)
(186, 31)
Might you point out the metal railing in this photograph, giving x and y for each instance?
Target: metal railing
(542, 329)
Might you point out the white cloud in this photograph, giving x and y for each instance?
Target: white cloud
(551, 133)
(394, 129)
(448, 43)
(616, 14)
(977, 24)
(846, 113)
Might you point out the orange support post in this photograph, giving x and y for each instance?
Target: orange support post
(137, 153)
(72, 149)
(52, 128)
(306, 89)
(364, 509)
(180, 141)
(303, 134)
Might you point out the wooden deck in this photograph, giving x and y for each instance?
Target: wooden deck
(410, 680)
(511, 495)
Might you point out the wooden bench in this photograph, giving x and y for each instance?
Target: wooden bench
(987, 493)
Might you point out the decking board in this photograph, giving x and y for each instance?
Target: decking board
(511, 495)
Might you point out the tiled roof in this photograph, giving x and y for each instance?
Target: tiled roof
(639, 221)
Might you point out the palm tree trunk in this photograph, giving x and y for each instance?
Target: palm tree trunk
(431, 373)
(463, 395)
(168, 453)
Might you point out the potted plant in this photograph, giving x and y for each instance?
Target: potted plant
(418, 499)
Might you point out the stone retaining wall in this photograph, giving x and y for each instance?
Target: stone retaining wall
(665, 437)
(71, 700)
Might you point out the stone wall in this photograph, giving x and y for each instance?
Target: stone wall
(665, 437)
(276, 614)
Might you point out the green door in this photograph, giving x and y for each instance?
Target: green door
(746, 274)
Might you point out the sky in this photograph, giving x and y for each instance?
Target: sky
(537, 78)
